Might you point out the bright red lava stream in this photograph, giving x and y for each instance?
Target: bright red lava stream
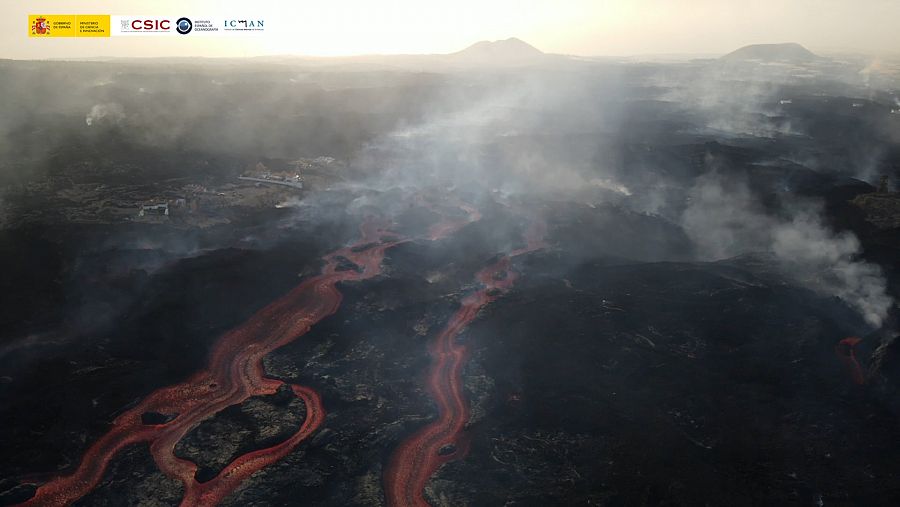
(234, 374)
(419, 456)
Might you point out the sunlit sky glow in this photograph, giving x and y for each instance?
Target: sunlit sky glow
(580, 27)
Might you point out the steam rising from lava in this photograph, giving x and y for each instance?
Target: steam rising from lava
(111, 111)
(526, 136)
(724, 219)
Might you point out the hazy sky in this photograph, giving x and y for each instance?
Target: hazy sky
(583, 27)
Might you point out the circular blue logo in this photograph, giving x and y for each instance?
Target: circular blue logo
(183, 26)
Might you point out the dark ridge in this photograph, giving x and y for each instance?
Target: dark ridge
(783, 52)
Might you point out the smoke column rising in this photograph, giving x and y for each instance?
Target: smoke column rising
(725, 220)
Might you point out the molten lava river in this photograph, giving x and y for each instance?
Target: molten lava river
(235, 373)
(419, 456)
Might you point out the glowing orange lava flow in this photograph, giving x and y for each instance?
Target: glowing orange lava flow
(419, 456)
(235, 373)
(845, 351)
(447, 227)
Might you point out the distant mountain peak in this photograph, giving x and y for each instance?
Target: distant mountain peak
(780, 52)
(507, 50)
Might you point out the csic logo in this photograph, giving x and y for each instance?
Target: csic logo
(183, 26)
(147, 25)
(40, 27)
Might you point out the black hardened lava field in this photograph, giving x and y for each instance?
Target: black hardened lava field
(498, 277)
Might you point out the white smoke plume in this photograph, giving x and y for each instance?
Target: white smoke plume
(522, 136)
(111, 111)
(724, 219)
(811, 249)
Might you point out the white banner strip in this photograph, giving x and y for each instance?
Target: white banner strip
(179, 26)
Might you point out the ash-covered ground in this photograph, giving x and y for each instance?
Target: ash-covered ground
(714, 229)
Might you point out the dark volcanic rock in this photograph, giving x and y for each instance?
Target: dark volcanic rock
(259, 422)
(617, 370)
(881, 210)
(784, 52)
(345, 264)
(133, 479)
(156, 418)
(628, 387)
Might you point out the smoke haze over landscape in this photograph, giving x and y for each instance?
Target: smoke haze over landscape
(509, 264)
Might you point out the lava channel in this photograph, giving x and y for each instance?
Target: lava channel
(419, 456)
(234, 374)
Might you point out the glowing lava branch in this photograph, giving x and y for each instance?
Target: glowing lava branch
(419, 456)
(448, 227)
(234, 374)
(845, 350)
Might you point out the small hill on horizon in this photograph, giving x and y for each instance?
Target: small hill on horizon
(782, 52)
(510, 50)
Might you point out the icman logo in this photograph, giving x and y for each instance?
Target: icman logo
(40, 27)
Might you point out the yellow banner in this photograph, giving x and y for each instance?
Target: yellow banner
(68, 25)
(93, 25)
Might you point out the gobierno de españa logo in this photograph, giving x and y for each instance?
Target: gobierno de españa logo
(68, 25)
(40, 26)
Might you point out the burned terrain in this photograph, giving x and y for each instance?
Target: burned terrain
(561, 282)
